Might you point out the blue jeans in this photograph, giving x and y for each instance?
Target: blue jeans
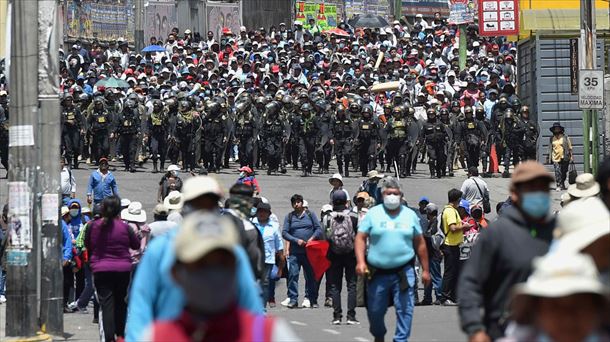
(379, 290)
(437, 279)
(2, 282)
(295, 262)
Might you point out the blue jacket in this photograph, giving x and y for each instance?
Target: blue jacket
(66, 241)
(155, 296)
(100, 189)
(301, 228)
(76, 223)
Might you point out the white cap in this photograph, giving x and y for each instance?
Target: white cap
(173, 167)
(202, 233)
(419, 15)
(242, 29)
(475, 44)
(336, 176)
(298, 23)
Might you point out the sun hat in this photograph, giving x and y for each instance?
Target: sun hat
(173, 200)
(374, 174)
(431, 207)
(327, 208)
(559, 275)
(585, 186)
(173, 168)
(64, 211)
(581, 223)
(134, 213)
(556, 125)
(198, 186)
(85, 210)
(125, 202)
(202, 233)
(528, 171)
(565, 199)
(336, 176)
(160, 209)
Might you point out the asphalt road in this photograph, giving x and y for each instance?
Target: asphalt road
(432, 323)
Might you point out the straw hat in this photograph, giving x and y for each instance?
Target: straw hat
(581, 223)
(336, 176)
(585, 186)
(134, 213)
(173, 200)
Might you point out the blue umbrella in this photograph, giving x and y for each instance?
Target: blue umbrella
(153, 48)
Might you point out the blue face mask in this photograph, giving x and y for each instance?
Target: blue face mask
(253, 212)
(536, 204)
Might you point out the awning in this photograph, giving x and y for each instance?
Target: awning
(560, 19)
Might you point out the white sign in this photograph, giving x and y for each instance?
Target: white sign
(591, 89)
(21, 135)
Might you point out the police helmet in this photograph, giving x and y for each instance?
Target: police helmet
(306, 108)
(272, 108)
(185, 105)
(214, 108)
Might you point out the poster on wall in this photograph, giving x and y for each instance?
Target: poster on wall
(159, 19)
(325, 15)
(99, 19)
(461, 12)
(221, 15)
(376, 7)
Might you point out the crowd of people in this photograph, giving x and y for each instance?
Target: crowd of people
(292, 97)
(382, 98)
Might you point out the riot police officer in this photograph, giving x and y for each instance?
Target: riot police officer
(186, 128)
(128, 128)
(157, 128)
(481, 117)
(71, 127)
(414, 127)
(307, 138)
(274, 134)
(514, 133)
(435, 138)
(246, 132)
(342, 136)
(323, 147)
(396, 149)
(530, 137)
(473, 134)
(214, 135)
(100, 123)
(367, 140)
(445, 119)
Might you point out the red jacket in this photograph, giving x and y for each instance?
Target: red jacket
(235, 326)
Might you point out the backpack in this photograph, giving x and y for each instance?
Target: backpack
(340, 232)
(439, 237)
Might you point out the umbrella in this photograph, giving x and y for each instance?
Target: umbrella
(316, 254)
(337, 31)
(153, 48)
(368, 20)
(112, 82)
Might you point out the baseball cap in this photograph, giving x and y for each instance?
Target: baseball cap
(424, 199)
(528, 171)
(200, 185)
(363, 194)
(202, 233)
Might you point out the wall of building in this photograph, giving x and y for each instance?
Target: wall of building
(3, 28)
(265, 13)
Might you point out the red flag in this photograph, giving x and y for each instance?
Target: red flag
(316, 254)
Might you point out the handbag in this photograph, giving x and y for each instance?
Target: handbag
(572, 173)
(486, 204)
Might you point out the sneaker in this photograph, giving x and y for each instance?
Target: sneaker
(449, 302)
(328, 302)
(72, 306)
(95, 320)
(292, 305)
(352, 321)
(2, 299)
(336, 321)
(437, 302)
(271, 303)
(285, 302)
(306, 303)
(424, 303)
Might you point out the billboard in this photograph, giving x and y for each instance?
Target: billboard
(461, 12)
(498, 17)
(325, 15)
(99, 19)
(376, 7)
(159, 18)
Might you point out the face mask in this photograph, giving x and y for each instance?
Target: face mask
(73, 212)
(253, 212)
(391, 202)
(242, 174)
(201, 288)
(175, 173)
(536, 204)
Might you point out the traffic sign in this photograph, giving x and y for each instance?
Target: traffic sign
(498, 17)
(591, 89)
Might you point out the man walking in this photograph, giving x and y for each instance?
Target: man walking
(454, 236)
(340, 228)
(68, 184)
(101, 184)
(474, 189)
(300, 227)
(394, 236)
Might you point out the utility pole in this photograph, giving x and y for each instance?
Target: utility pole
(397, 9)
(23, 292)
(463, 47)
(590, 121)
(34, 274)
(139, 32)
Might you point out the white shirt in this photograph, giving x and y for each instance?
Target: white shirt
(68, 184)
(471, 193)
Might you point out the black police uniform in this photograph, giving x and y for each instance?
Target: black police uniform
(367, 138)
(100, 123)
(158, 126)
(212, 138)
(128, 128)
(435, 136)
(473, 134)
(343, 132)
(72, 124)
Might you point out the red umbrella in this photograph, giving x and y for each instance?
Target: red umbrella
(337, 31)
(316, 254)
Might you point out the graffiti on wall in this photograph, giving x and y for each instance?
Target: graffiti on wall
(160, 18)
(223, 15)
(101, 19)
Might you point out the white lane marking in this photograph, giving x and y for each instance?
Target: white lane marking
(331, 331)
(361, 339)
(298, 323)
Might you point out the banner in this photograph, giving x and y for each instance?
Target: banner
(498, 17)
(325, 15)
(461, 12)
(159, 19)
(221, 15)
(99, 19)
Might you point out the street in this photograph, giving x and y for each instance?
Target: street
(430, 323)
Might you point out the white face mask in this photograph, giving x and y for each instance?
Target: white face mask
(391, 202)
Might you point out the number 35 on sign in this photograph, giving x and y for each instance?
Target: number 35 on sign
(591, 89)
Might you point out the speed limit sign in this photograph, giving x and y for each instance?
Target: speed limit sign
(591, 89)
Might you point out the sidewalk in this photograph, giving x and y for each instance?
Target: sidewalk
(77, 326)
